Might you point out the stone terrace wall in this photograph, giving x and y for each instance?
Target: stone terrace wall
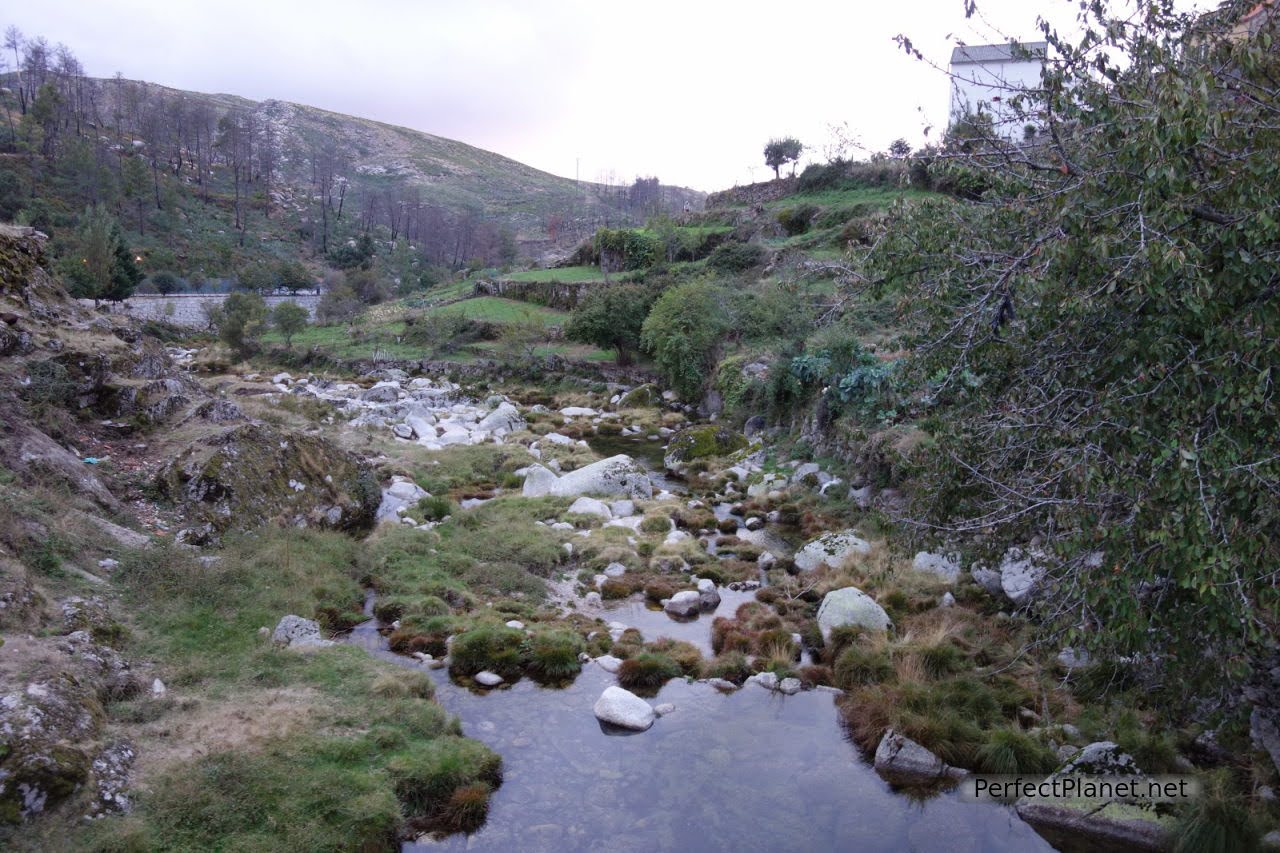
(765, 191)
(186, 309)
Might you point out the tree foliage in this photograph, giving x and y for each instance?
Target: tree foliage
(611, 317)
(779, 152)
(101, 264)
(683, 332)
(1100, 335)
(289, 318)
(240, 322)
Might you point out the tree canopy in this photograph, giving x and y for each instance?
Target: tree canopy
(779, 152)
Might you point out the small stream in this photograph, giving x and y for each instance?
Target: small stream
(742, 771)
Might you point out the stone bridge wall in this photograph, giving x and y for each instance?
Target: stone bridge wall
(187, 309)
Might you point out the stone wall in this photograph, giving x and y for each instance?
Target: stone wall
(752, 194)
(187, 309)
(563, 296)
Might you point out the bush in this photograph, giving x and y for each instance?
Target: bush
(435, 508)
(683, 332)
(1011, 752)
(859, 664)
(735, 257)
(627, 249)
(796, 220)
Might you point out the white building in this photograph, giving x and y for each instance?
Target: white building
(985, 78)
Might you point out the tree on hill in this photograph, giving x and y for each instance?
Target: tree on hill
(779, 152)
(166, 282)
(899, 148)
(611, 317)
(259, 278)
(102, 265)
(293, 276)
(289, 318)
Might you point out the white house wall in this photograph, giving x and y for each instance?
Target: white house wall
(988, 87)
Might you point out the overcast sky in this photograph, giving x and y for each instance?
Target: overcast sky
(688, 91)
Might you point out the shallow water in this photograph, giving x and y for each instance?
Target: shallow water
(655, 624)
(744, 771)
(649, 454)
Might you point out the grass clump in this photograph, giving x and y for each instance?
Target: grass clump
(1217, 822)
(731, 666)
(553, 655)
(1009, 751)
(860, 664)
(493, 648)
(647, 671)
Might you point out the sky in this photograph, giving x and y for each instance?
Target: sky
(688, 91)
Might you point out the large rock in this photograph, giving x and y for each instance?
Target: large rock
(701, 442)
(1021, 575)
(591, 506)
(253, 473)
(37, 458)
(1101, 758)
(945, 566)
(902, 761)
(383, 392)
(641, 397)
(830, 549)
(502, 420)
(851, 606)
(684, 604)
(295, 632)
(402, 494)
(618, 475)
(624, 709)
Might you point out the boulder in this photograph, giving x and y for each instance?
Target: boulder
(945, 566)
(851, 606)
(1070, 828)
(423, 427)
(684, 604)
(789, 686)
(487, 679)
(591, 506)
(988, 579)
(623, 709)
(609, 663)
(1101, 758)
(643, 396)
(1021, 575)
(701, 442)
(502, 420)
(830, 549)
(403, 431)
(901, 761)
(618, 475)
(578, 412)
(708, 595)
(622, 509)
(558, 439)
(383, 392)
(296, 632)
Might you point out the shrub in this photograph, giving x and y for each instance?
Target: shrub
(860, 664)
(435, 508)
(731, 666)
(796, 220)
(683, 332)
(735, 257)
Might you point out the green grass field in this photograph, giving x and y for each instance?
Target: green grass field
(494, 309)
(875, 196)
(565, 275)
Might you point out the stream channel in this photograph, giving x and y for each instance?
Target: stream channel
(749, 770)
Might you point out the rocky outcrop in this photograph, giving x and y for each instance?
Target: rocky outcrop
(618, 476)
(249, 474)
(37, 458)
(851, 607)
(702, 442)
(51, 717)
(295, 632)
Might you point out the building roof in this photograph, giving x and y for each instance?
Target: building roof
(976, 53)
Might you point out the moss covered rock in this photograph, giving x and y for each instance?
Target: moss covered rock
(642, 397)
(702, 442)
(239, 477)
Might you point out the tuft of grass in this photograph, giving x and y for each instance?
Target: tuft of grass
(493, 648)
(861, 664)
(731, 666)
(1218, 821)
(647, 671)
(553, 655)
(1011, 752)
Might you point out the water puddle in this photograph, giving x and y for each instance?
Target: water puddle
(649, 455)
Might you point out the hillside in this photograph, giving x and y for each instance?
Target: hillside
(206, 184)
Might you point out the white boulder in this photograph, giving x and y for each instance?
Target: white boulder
(830, 549)
(591, 506)
(851, 606)
(624, 709)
